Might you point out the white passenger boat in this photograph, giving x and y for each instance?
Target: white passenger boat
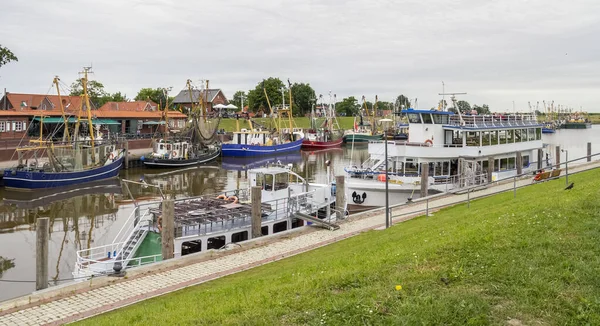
(214, 221)
(456, 148)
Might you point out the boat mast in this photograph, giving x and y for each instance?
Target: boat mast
(89, 109)
(270, 108)
(367, 112)
(290, 108)
(166, 111)
(62, 111)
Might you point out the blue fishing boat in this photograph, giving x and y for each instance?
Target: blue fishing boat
(48, 164)
(247, 150)
(281, 138)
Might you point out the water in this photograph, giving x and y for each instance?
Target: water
(88, 217)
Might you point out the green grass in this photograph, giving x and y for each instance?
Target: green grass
(301, 122)
(534, 259)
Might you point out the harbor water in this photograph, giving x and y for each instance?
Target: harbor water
(92, 216)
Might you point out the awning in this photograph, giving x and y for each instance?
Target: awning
(74, 120)
(153, 123)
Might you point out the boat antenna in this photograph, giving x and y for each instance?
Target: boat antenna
(62, 110)
(454, 103)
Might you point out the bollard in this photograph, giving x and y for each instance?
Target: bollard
(519, 163)
(168, 228)
(256, 201)
(41, 253)
(557, 156)
(540, 158)
(126, 155)
(589, 152)
(340, 196)
(424, 179)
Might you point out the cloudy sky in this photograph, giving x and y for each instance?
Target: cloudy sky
(496, 51)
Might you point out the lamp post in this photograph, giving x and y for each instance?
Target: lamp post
(387, 197)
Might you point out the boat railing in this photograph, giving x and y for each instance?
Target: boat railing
(101, 260)
(493, 121)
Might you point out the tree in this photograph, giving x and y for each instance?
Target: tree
(95, 91)
(464, 106)
(156, 95)
(237, 99)
(256, 96)
(484, 109)
(349, 105)
(403, 100)
(116, 97)
(6, 56)
(303, 96)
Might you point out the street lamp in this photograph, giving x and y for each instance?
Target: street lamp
(387, 195)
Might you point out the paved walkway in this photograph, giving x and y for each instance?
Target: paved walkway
(86, 302)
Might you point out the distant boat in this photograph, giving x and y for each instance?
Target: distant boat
(324, 136)
(363, 131)
(267, 141)
(196, 145)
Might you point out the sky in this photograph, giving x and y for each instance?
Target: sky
(502, 53)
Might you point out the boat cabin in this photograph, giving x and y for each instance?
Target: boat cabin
(168, 149)
(280, 182)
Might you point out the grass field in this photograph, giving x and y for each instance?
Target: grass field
(301, 122)
(533, 260)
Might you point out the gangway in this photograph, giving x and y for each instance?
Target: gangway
(317, 221)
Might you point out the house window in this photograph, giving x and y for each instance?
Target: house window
(18, 126)
(2, 126)
(181, 123)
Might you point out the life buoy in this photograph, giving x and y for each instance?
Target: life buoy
(222, 196)
(174, 153)
(429, 141)
(159, 224)
(381, 177)
(233, 198)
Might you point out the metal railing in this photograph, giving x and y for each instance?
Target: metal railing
(482, 121)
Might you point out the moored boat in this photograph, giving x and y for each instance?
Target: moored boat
(457, 150)
(324, 134)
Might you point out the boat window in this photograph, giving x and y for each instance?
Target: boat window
(518, 136)
(502, 136)
(485, 138)
(410, 167)
(473, 138)
(280, 227)
(268, 182)
(532, 135)
(427, 118)
(446, 168)
(438, 169)
(523, 134)
(190, 247)
(538, 133)
(511, 163)
(503, 164)
(511, 136)
(281, 181)
(484, 166)
(162, 146)
(496, 165)
(260, 179)
(437, 119)
(215, 242)
(525, 161)
(240, 236)
(414, 118)
(457, 138)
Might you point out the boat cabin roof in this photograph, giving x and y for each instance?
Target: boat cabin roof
(427, 111)
(270, 170)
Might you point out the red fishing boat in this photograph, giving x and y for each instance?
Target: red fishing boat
(322, 135)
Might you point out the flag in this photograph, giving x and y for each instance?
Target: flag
(355, 126)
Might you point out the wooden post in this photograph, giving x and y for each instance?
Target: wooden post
(168, 228)
(424, 179)
(540, 158)
(491, 167)
(41, 253)
(126, 155)
(340, 196)
(519, 163)
(256, 201)
(557, 157)
(589, 152)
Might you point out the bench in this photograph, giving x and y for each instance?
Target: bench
(548, 175)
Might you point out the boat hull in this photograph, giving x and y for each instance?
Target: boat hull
(351, 138)
(576, 125)
(168, 163)
(322, 144)
(237, 150)
(30, 180)
(548, 131)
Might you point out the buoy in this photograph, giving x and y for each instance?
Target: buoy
(429, 141)
(381, 177)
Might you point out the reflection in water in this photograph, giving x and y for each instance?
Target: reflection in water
(6, 264)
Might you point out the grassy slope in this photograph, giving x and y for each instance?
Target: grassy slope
(534, 259)
(301, 122)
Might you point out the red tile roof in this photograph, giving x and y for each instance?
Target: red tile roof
(129, 106)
